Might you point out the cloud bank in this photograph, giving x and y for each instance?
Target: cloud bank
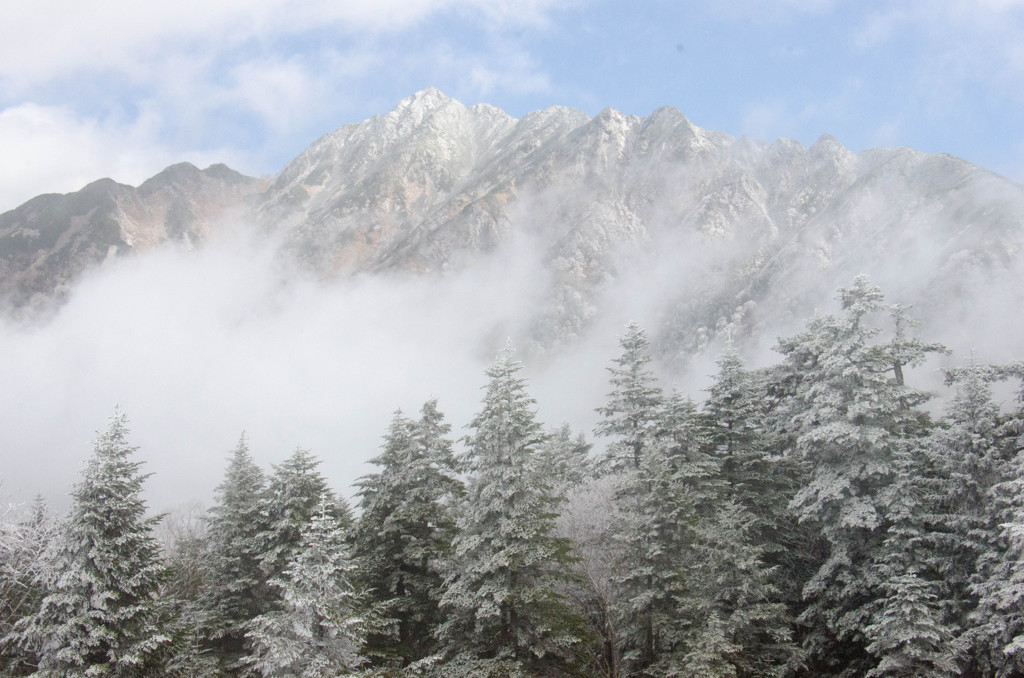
(197, 347)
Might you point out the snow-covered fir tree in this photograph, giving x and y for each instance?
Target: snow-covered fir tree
(100, 574)
(909, 632)
(290, 502)
(404, 533)
(319, 629)
(235, 584)
(506, 615)
(848, 414)
(182, 598)
(998, 621)
(565, 459)
(630, 411)
(23, 540)
(964, 458)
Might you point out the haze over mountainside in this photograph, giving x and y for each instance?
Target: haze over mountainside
(694, 232)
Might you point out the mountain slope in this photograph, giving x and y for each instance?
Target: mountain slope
(693, 231)
(48, 242)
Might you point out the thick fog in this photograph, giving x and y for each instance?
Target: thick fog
(198, 346)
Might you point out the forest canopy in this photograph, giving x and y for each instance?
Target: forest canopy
(809, 518)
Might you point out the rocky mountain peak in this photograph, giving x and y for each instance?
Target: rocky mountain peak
(736, 227)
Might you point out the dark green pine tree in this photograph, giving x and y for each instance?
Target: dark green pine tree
(505, 615)
(736, 426)
(727, 619)
(909, 633)
(652, 518)
(102, 572)
(654, 523)
(236, 589)
(404, 532)
(565, 459)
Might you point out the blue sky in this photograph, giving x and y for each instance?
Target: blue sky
(121, 88)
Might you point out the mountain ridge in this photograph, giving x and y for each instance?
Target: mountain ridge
(432, 184)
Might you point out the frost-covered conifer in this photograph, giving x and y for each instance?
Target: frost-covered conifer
(630, 413)
(965, 458)
(998, 622)
(183, 604)
(506, 617)
(849, 412)
(910, 633)
(565, 460)
(318, 631)
(290, 502)
(236, 590)
(736, 427)
(101, 573)
(405, 530)
(23, 540)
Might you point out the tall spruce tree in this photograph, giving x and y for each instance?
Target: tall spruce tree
(506, 617)
(630, 413)
(405, 531)
(909, 632)
(23, 541)
(849, 413)
(964, 459)
(998, 622)
(236, 590)
(101, 573)
(290, 502)
(319, 628)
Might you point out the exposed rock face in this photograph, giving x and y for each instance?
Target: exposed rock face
(740, 232)
(49, 241)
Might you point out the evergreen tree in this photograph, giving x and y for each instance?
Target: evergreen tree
(653, 517)
(630, 413)
(965, 460)
(909, 633)
(506, 617)
(998, 621)
(565, 460)
(736, 426)
(23, 540)
(183, 605)
(848, 415)
(654, 527)
(101, 573)
(236, 590)
(761, 478)
(405, 530)
(290, 502)
(319, 629)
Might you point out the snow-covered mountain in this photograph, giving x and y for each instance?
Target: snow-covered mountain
(697, 232)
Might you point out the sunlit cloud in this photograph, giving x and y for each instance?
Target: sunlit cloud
(88, 76)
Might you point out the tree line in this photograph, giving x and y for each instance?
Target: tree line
(811, 518)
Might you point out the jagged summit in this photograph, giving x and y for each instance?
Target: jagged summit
(433, 184)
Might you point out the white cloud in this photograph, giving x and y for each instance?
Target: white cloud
(196, 347)
(80, 82)
(49, 39)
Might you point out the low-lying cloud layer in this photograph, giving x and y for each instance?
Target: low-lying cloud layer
(197, 347)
